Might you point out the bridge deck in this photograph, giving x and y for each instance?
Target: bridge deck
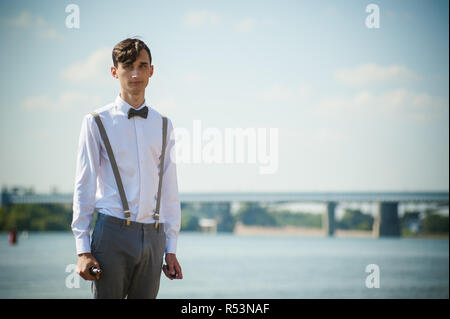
(318, 197)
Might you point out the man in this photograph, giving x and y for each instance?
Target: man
(130, 255)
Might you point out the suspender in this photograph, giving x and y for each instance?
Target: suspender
(115, 169)
(161, 172)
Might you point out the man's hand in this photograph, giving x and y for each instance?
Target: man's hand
(86, 261)
(173, 267)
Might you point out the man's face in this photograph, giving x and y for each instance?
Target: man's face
(134, 77)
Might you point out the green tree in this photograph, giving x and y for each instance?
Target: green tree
(189, 221)
(355, 219)
(226, 222)
(3, 217)
(286, 217)
(435, 223)
(37, 217)
(252, 213)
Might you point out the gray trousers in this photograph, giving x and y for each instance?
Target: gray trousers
(130, 257)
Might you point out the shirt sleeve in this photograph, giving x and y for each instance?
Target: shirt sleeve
(170, 200)
(88, 161)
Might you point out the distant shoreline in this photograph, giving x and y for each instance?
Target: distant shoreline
(241, 229)
(244, 230)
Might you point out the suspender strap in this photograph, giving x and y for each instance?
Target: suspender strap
(161, 172)
(115, 169)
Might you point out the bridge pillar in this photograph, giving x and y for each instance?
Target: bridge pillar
(4, 198)
(328, 222)
(386, 221)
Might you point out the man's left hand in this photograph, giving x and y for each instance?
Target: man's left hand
(172, 267)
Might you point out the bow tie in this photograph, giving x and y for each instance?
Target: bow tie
(142, 112)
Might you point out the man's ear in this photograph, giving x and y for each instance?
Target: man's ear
(114, 72)
(152, 68)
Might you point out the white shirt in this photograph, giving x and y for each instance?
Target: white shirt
(137, 146)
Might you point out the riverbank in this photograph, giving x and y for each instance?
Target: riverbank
(244, 230)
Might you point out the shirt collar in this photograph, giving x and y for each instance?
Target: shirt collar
(123, 106)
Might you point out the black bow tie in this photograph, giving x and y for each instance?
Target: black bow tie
(142, 112)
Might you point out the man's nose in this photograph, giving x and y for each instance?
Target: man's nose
(134, 73)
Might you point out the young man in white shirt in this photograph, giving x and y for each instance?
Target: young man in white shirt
(130, 255)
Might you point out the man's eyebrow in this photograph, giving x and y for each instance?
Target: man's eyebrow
(126, 64)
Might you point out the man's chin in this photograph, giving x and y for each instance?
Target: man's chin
(135, 90)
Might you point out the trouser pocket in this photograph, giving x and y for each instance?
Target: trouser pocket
(97, 235)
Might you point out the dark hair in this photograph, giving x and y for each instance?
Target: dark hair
(126, 51)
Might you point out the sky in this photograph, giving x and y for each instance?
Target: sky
(335, 104)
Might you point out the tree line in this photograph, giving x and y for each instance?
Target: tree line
(45, 217)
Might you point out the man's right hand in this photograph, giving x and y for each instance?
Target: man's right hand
(86, 261)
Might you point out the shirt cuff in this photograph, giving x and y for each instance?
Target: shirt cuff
(83, 245)
(171, 245)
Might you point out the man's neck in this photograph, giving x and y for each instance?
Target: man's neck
(134, 100)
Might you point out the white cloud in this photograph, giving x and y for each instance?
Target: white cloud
(27, 20)
(245, 25)
(394, 104)
(95, 69)
(372, 74)
(37, 102)
(66, 100)
(198, 18)
(49, 33)
(24, 19)
(205, 17)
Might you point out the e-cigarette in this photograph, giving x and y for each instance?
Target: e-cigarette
(94, 271)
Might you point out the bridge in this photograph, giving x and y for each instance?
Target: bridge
(386, 220)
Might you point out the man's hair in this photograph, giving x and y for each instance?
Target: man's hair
(126, 51)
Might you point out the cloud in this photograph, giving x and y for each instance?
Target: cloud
(205, 18)
(245, 25)
(198, 18)
(49, 33)
(372, 74)
(26, 20)
(94, 69)
(66, 100)
(394, 104)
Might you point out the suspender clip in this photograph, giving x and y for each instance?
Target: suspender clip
(127, 216)
(156, 217)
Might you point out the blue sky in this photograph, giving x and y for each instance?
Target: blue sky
(356, 109)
